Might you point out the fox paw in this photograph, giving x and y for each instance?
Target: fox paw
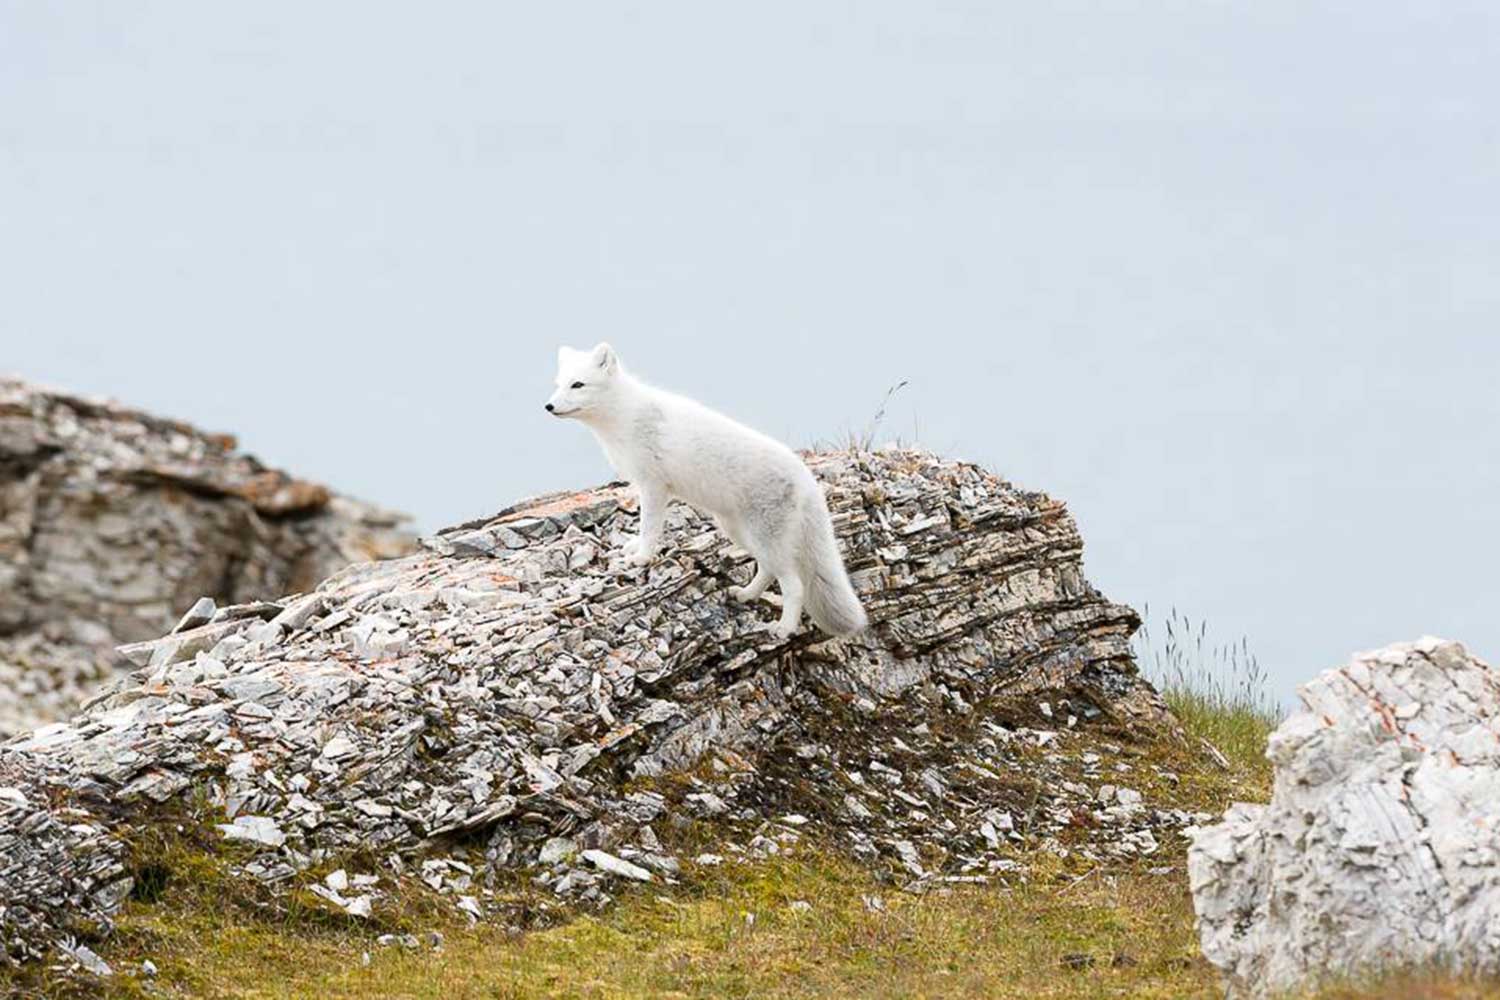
(634, 554)
(742, 594)
(782, 632)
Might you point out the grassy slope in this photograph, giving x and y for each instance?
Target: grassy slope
(743, 938)
(1068, 931)
(727, 932)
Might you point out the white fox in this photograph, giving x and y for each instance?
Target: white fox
(758, 491)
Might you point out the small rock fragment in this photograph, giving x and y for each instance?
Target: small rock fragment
(616, 866)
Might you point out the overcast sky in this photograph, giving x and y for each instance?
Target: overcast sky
(1225, 276)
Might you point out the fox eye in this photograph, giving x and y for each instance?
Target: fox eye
(576, 385)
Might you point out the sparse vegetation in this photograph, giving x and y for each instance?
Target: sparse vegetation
(736, 934)
(864, 438)
(1218, 691)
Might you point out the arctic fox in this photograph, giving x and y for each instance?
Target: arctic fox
(758, 491)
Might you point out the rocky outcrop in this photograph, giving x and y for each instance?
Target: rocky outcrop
(112, 522)
(1380, 847)
(516, 695)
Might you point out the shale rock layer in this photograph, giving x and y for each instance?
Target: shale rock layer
(112, 522)
(518, 687)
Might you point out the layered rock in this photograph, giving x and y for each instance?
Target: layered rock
(113, 521)
(517, 695)
(1380, 847)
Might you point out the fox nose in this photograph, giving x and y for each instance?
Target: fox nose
(549, 407)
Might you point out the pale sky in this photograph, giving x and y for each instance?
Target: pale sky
(1225, 276)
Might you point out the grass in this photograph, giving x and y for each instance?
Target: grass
(1415, 986)
(735, 934)
(1218, 691)
(863, 439)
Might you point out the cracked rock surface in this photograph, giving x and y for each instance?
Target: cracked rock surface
(1380, 847)
(515, 696)
(113, 521)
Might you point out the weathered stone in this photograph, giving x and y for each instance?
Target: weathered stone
(555, 850)
(59, 866)
(113, 521)
(1380, 847)
(256, 829)
(616, 866)
(86, 958)
(502, 696)
(201, 613)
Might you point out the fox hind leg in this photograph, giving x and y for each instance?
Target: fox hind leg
(792, 594)
(755, 587)
(763, 577)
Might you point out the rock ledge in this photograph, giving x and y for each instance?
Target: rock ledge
(515, 695)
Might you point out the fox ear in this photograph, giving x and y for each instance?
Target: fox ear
(604, 357)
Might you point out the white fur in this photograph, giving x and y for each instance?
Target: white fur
(758, 491)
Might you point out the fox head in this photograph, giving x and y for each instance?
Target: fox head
(585, 380)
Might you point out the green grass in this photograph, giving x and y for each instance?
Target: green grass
(1218, 691)
(733, 933)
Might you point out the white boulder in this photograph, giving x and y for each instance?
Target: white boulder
(1380, 847)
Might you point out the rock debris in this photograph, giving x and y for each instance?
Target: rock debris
(514, 696)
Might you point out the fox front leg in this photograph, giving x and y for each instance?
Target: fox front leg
(643, 548)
